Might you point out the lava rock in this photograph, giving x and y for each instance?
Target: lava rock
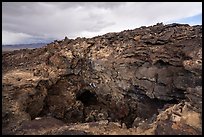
(119, 77)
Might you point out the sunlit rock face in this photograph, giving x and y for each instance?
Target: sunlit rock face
(142, 81)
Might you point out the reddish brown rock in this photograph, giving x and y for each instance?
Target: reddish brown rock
(129, 78)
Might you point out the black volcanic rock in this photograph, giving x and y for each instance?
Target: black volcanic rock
(142, 79)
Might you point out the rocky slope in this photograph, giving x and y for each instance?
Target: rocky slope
(142, 81)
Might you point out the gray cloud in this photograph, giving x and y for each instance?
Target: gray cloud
(54, 20)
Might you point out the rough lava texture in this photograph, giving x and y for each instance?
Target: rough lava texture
(142, 81)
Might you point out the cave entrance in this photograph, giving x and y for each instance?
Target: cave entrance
(86, 97)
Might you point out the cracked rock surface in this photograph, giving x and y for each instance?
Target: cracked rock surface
(142, 81)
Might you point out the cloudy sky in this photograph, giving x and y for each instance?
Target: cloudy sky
(33, 22)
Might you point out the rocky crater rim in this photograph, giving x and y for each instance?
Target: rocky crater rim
(126, 77)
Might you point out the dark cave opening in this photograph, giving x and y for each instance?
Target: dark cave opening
(160, 63)
(86, 97)
(91, 102)
(147, 107)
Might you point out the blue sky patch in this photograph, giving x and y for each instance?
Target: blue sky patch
(193, 20)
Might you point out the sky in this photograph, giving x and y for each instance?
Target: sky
(35, 22)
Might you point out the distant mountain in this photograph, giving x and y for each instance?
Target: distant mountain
(22, 46)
